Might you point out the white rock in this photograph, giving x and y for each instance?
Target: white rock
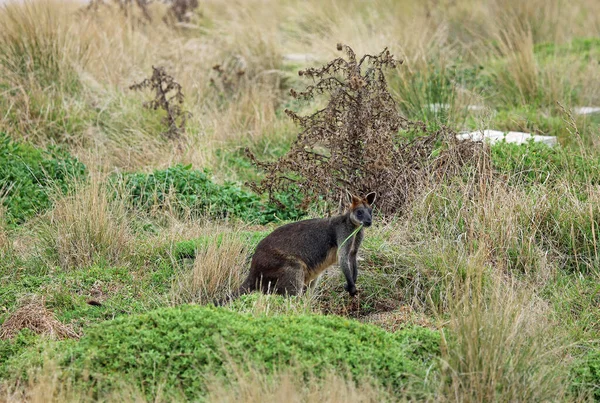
(493, 136)
(438, 107)
(299, 57)
(586, 110)
(476, 107)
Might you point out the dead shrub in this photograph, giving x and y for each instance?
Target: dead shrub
(352, 144)
(217, 270)
(178, 11)
(88, 224)
(32, 314)
(126, 7)
(181, 10)
(169, 98)
(229, 76)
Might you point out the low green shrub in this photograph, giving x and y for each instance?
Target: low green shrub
(186, 189)
(586, 375)
(11, 349)
(28, 175)
(170, 349)
(539, 163)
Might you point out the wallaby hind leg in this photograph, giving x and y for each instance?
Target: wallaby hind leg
(313, 284)
(291, 281)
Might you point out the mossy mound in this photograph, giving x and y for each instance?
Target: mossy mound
(173, 349)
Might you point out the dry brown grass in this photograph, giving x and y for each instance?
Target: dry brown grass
(32, 314)
(5, 242)
(218, 269)
(47, 384)
(254, 386)
(502, 345)
(106, 51)
(86, 225)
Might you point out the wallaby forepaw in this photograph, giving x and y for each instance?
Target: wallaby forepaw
(351, 290)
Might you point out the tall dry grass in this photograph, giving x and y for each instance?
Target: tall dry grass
(5, 242)
(100, 54)
(288, 386)
(87, 225)
(502, 345)
(47, 384)
(41, 53)
(218, 270)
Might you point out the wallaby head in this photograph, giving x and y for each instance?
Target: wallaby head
(361, 210)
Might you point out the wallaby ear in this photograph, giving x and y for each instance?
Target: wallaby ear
(371, 198)
(355, 201)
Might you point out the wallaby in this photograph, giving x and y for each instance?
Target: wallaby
(293, 257)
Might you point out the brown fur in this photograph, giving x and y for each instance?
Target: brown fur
(292, 257)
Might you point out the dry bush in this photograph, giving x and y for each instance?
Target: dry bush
(502, 345)
(352, 144)
(169, 98)
(181, 10)
(217, 271)
(127, 7)
(178, 10)
(32, 314)
(88, 224)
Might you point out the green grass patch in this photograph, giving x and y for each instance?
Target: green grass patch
(538, 163)
(187, 249)
(586, 375)
(188, 190)
(171, 349)
(584, 48)
(28, 176)
(10, 350)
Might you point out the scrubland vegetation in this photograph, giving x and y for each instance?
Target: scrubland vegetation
(127, 206)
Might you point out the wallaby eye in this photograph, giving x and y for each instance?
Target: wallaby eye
(359, 213)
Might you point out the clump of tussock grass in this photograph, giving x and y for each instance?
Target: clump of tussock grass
(255, 386)
(218, 270)
(35, 47)
(432, 93)
(518, 82)
(32, 314)
(87, 225)
(501, 344)
(40, 61)
(43, 384)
